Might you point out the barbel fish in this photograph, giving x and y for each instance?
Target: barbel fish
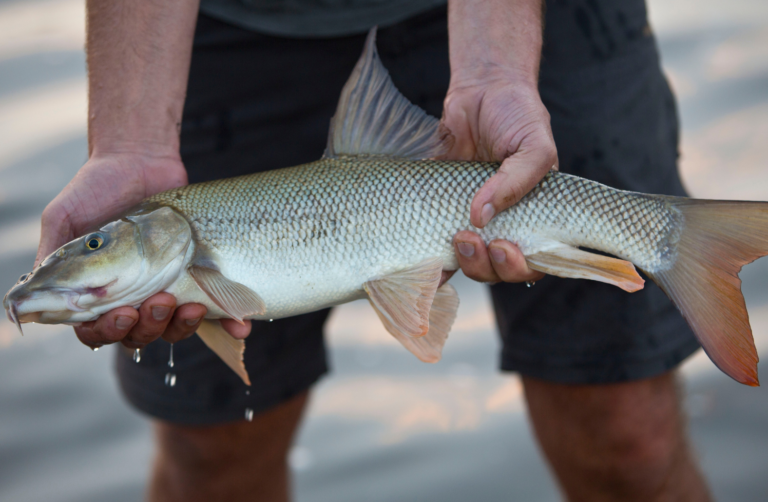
(374, 218)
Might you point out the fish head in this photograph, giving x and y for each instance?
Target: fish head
(121, 264)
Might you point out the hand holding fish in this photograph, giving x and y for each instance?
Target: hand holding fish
(106, 186)
(497, 119)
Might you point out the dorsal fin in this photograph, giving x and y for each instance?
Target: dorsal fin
(373, 118)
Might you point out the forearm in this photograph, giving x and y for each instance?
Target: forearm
(495, 35)
(138, 54)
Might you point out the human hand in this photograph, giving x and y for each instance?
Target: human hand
(106, 186)
(495, 116)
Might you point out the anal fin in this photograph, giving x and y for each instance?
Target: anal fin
(571, 262)
(229, 349)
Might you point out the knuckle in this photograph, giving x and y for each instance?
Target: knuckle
(514, 191)
(146, 333)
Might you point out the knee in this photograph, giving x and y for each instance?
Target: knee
(637, 453)
(228, 461)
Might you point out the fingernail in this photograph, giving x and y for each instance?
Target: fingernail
(160, 313)
(498, 255)
(123, 322)
(487, 214)
(466, 249)
(192, 322)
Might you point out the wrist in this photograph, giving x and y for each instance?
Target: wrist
(492, 74)
(134, 127)
(146, 172)
(119, 146)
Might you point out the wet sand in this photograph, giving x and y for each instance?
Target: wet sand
(382, 426)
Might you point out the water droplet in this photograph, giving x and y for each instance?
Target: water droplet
(271, 320)
(249, 414)
(170, 360)
(137, 355)
(95, 349)
(248, 392)
(530, 283)
(170, 379)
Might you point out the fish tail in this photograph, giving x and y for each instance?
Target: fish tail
(716, 240)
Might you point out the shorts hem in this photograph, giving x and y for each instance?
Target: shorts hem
(602, 372)
(180, 412)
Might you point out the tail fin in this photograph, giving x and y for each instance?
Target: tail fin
(718, 238)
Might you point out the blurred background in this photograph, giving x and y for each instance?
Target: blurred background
(382, 426)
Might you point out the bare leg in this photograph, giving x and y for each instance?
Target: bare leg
(616, 442)
(240, 461)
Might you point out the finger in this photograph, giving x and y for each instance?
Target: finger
(516, 176)
(154, 315)
(111, 327)
(237, 330)
(473, 257)
(445, 276)
(88, 337)
(185, 321)
(509, 263)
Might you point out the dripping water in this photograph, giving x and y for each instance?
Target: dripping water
(170, 379)
(170, 359)
(137, 355)
(249, 414)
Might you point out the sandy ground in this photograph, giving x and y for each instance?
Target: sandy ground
(382, 427)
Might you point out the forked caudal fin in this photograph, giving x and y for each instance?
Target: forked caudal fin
(717, 239)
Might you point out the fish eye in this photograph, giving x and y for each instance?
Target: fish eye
(23, 277)
(94, 241)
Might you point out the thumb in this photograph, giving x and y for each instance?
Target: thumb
(55, 230)
(516, 176)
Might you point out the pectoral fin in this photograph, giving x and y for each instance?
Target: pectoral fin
(229, 349)
(571, 262)
(236, 300)
(413, 310)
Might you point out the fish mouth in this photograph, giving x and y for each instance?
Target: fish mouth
(12, 305)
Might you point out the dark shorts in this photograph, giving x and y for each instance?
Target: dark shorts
(258, 102)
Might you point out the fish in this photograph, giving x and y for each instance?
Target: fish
(374, 219)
